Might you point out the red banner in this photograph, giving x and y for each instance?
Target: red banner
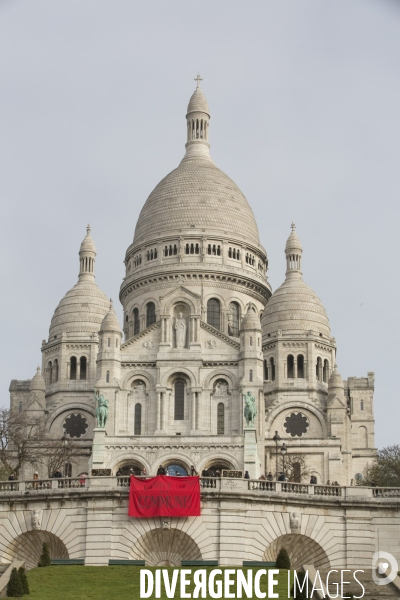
(164, 496)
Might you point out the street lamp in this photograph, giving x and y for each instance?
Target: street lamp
(283, 452)
(276, 438)
(65, 444)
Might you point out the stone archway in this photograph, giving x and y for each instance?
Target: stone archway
(28, 547)
(165, 547)
(302, 550)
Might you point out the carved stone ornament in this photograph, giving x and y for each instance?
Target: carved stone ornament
(211, 344)
(166, 524)
(296, 424)
(149, 344)
(36, 518)
(295, 522)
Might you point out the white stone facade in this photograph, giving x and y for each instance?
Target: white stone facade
(201, 328)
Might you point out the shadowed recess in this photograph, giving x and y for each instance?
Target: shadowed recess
(165, 547)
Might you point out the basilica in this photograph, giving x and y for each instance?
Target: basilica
(202, 332)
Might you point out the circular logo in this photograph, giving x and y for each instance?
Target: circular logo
(381, 562)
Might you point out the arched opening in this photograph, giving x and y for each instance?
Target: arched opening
(302, 550)
(150, 314)
(136, 321)
(233, 319)
(28, 547)
(300, 366)
(179, 400)
(220, 418)
(326, 371)
(108, 377)
(50, 372)
(216, 467)
(362, 437)
(272, 369)
(137, 430)
(130, 467)
(361, 404)
(165, 547)
(72, 371)
(214, 313)
(251, 375)
(266, 370)
(83, 364)
(290, 366)
(318, 369)
(176, 470)
(55, 370)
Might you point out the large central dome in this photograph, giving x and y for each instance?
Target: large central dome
(197, 196)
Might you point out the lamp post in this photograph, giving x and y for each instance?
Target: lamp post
(276, 438)
(283, 452)
(65, 444)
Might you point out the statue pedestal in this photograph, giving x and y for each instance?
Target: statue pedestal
(251, 458)
(99, 442)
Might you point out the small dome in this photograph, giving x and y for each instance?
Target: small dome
(295, 307)
(335, 383)
(251, 320)
(110, 321)
(81, 310)
(37, 382)
(198, 103)
(293, 243)
(87, 243)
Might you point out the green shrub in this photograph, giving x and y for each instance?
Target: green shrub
(14, 586)
(300, 595)
(45, 560)
(283, 560)
(24, 580)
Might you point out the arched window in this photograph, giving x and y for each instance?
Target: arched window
(290, 366)
(108, 377)
(138, 420)
(136, 321)
(266, 370)
(109, 342)
(251, 341)
(175, 249)
(220, 418)
(55, 371)
(326, 371)
(272, 366)
(150, 314)
(197, 250)
(20, 407)
(361, 404)
(187, 249)
(179, 412)
(83, 364)
(318, 369)
(230, 253)
(72, 370)
(300, 366)
(251, 375)
(362, 437)
(50, 372)
(214, 313)
(233, 319)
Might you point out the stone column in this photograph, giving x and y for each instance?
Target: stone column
(295, 369)
(158, 411)
(68, 370)
(193, 411)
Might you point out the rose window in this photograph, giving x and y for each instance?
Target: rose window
(75, 425)
(296, 424)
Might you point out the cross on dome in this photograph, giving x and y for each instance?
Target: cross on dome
(293, 226)
(88, 229)
(198, 79)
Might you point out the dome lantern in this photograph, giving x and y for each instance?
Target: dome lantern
(198, 120)
(293, 251)
(87, 257)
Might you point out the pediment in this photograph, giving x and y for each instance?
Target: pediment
(35, 405)
(218, 335)
(336, 403)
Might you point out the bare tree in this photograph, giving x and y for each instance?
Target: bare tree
(296, 467)
(20, 440)
(54, 455)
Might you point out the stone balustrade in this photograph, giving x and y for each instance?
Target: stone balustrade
(220, 484)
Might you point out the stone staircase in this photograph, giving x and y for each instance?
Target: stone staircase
(372, 590)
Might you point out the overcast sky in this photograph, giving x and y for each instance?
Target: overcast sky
(305, 101)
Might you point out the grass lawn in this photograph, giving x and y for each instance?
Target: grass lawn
(108, 583)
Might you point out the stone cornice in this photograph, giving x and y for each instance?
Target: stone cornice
(179, 274)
